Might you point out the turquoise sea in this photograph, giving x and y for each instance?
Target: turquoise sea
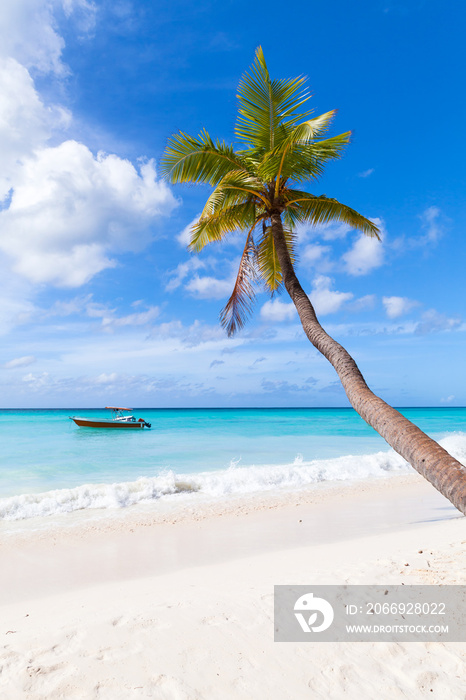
(48, 465)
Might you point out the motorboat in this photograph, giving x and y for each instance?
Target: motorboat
(119, 419)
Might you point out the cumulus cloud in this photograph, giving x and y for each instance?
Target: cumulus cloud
(210, 287)
(29, 31)
(324, 299)
(64, 211)
(69, 209)
(276, 310)
(316, 255)
(366, 254)
(398, 306)
(26, 123)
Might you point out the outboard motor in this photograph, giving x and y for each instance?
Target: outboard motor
(146, 425)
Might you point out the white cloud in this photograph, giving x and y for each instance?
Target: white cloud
(36, 381)
(333, 231)
(434, 322)
(329, 232)
(316, 256)
(20, 362)
(138, 319)
(366, 173)
(65, 211)
(106, 378)
(70, 209)
(366, 254)
(430, 223)
(324, 299)
(184, 238)
(448, 399)
(398, 306)
(77, 305)
(364, 303)
(29, 31)
(179, 274)
(210, 287)
(84, 306)
(25, 122)
(276, 310)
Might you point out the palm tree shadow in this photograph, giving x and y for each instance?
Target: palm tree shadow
(451, 514)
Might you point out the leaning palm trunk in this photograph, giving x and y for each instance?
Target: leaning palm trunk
(424, 454)
(258, 190)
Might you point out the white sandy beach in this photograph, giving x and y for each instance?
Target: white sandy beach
(179, 606)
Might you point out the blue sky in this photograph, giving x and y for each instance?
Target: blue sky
(100, 301)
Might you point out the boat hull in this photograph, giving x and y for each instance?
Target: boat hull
(89, 423)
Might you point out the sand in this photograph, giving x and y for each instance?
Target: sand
(178, 605)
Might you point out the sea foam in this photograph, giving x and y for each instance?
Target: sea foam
(235, 480)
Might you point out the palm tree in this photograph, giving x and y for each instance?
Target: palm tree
(256, 190)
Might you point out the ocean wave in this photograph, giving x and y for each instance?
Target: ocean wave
(235, 480)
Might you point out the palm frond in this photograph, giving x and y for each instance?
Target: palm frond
(267, 104)
(311, 129)
(239, 306)
(290, 217)
(267, 259)
(308, 161)
(188, 159)
(234, 188)
(214, 227)
(282, 146)
(322, 210)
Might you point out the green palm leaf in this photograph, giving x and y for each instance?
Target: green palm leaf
(200, 159)
(214, 227)
(267, 258)
(322, 210)
(267, 105)
(232, 189)
(282, 146)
